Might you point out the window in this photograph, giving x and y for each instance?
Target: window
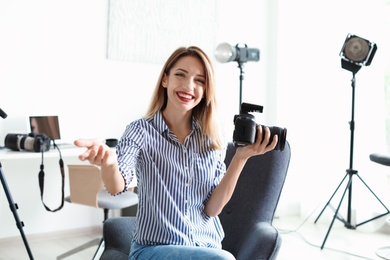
(387, 77)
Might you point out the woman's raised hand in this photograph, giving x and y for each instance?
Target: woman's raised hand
(97, 152)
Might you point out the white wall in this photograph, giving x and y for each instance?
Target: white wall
(314, 100)
(53, 61)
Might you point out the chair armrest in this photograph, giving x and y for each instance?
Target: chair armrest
(261, 242)
(117, 235)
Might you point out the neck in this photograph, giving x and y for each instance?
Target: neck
(179, 123)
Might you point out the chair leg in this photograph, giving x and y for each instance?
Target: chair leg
(96, 241)
(105, 214)
(99, 250)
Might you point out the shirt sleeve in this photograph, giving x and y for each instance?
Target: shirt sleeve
(220, 170)
(221, 167)
(128, 150)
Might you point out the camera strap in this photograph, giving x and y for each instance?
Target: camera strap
(41, 177)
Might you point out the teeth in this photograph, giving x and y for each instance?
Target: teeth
(185, 96)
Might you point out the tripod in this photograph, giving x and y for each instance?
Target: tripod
(350, 174)
(14, 207)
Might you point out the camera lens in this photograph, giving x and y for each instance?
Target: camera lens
(280, 132)
(29, 144)
(12, 142)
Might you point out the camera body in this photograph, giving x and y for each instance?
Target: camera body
(28, 142)
(245, 128)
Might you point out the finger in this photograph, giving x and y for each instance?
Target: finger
(264, 144)
(260, 135)
(84, 156)
(265, 134)
(99, 155)
(90, 154)
(272, 145)
(83, 143)
(105, 158)
(108, 157)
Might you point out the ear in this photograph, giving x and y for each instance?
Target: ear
(164, 81)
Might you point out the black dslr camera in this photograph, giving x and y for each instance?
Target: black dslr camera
(31, 142)
(245, 128)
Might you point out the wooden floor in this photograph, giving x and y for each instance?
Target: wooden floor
(302, 239)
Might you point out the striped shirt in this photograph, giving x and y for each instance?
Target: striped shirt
(174, 182)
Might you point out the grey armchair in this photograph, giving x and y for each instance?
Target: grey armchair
(246, 219)
(383, 159)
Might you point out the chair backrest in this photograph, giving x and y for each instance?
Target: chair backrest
(256, 195)
(85, 182)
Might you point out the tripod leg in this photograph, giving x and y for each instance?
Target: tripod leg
(379, 216)
(14, 207)
(331, 198)
(336, 212)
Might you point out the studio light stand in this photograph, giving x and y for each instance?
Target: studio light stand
(356, 52)
(241, 78)
(13, 206)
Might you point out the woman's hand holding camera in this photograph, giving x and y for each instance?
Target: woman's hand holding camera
(261, 145)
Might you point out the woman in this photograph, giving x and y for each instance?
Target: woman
(178, 158)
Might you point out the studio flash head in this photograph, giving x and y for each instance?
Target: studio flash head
(357, 52)
(226, 53)
(245, 128)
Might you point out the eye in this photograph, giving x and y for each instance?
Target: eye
(179, 74)
(201, 81)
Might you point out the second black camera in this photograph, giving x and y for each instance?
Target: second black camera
(28, 142)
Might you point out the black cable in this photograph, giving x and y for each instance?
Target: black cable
(296, 231)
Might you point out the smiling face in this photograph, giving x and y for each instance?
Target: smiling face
(185, 84)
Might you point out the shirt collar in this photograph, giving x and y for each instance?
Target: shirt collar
(161, 126)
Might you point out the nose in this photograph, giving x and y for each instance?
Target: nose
(190, 83)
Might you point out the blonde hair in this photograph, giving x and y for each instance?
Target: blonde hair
(205, 111)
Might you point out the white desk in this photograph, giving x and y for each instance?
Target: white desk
(66, 151)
